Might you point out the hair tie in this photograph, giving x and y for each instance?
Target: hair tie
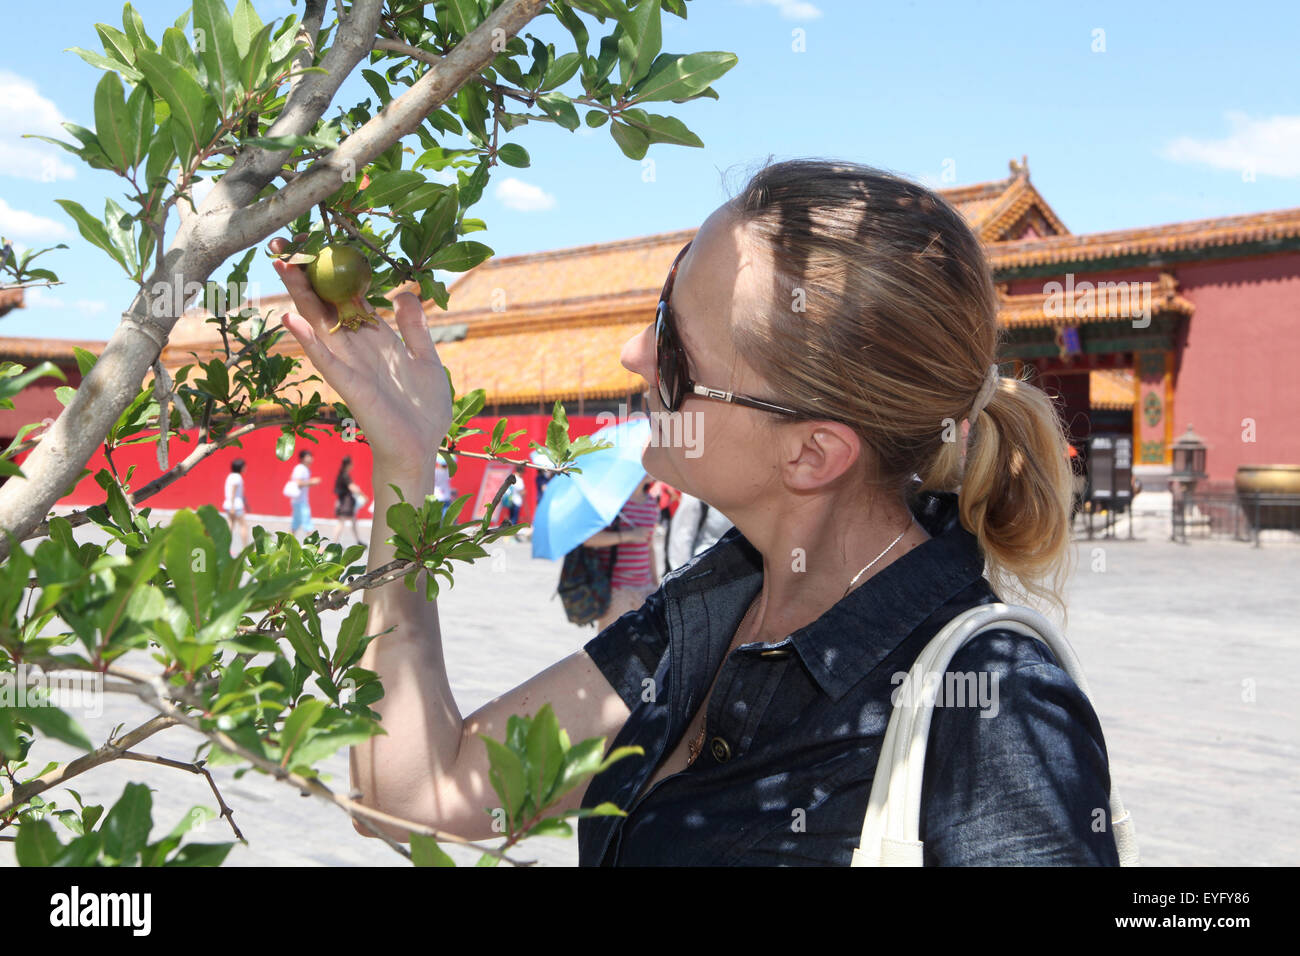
(981, 400)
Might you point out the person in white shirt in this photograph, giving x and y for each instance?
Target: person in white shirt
(694, 528)
(234, 506)
(442, 484)
(302, 503)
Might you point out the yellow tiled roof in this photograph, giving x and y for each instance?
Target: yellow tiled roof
(1111, 389)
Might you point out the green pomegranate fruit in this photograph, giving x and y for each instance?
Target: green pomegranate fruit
(341, 275)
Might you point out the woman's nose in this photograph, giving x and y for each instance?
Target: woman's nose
(638, 353)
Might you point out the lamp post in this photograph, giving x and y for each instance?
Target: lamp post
(1188, 469)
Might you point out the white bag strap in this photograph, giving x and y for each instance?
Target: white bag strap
(890, 832)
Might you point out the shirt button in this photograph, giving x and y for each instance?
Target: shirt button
(720, 749)
(775, 653)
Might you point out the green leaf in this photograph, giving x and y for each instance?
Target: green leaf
(191, 560)
(133, 24)
(559, 108)
(557, 433)
(139, 117)
(126, 828)
(101, 62)
(674, 76)
(119, 227)
(245, 25)
(386, 188)
(13, 384)
(661, 129)
(91, 229)
(464, 16)
(201, 854)
(631, 140)
(220, 55)
(545, 755)
(190, 106)
(284, 446)
(551, 827)
(290, 142)
(113, 122)
(506, 776)
(512, 154)
(596, 118)
(426, 852)
(116, 44)
(348, 643)
(460, 256)
(37, 844)
(643, 38)
(305, 716)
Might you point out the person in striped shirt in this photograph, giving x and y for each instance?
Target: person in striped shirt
(635, 576)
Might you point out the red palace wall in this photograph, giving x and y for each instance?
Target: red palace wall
(265, 475)
(1239, 361)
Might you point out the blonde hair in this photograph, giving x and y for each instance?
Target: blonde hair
(885, 294)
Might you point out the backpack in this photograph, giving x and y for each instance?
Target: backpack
(704, 513)
(585, 581)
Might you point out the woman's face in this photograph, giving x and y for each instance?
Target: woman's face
(719, 452)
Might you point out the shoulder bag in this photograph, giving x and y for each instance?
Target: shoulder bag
(890, 832)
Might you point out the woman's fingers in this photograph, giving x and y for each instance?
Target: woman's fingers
(415, 332)
(325, 361)
(305, 301)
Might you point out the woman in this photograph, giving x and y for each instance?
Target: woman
(346, 493)
(233, 504)
(851, 317)
(634, 576)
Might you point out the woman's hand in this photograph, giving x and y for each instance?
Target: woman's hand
(639, 535)
(396, 387)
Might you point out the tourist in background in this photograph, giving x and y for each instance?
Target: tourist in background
(348, 497)
(234, 506)
(634, 576)
(302, 477)
(695, 528)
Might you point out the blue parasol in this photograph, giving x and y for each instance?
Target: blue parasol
(574, 507)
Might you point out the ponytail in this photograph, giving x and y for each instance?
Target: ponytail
(1017, 491)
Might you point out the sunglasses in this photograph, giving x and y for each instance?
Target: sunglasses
(671, 367)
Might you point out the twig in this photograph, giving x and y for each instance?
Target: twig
(111, 750)
(193, 768)
(397, 46)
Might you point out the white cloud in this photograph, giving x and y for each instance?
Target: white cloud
(24, 110)
(789, 9)
(39, 297)
(516, 194)
(19, 222)
(1268, 146)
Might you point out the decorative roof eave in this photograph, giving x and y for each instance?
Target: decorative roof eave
(1098, 302)
(1019, 199)
(1224, 237)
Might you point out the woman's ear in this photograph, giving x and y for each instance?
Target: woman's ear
(819, 453)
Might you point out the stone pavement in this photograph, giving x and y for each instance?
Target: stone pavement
(1188, 651)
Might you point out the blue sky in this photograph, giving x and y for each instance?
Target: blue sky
(1131, 114)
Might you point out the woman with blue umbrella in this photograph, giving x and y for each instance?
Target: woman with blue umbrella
(635, 575)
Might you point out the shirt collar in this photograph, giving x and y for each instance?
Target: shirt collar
(851, 638)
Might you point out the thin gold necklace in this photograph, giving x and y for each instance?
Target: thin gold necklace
(693, 749)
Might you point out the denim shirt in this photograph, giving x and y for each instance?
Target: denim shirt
(795, 726)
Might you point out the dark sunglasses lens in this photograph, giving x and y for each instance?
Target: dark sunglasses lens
(666, 359)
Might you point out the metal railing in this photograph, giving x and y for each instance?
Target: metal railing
(1242, 516)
